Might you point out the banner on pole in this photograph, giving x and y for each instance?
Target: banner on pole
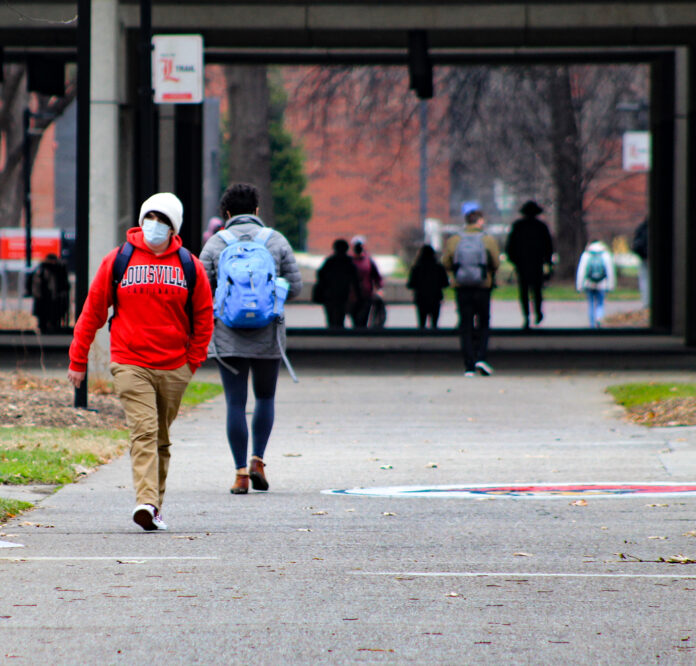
(636, 151)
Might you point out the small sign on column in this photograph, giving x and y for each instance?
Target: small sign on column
(177, 69)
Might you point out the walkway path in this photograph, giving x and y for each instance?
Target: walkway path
(297, 576)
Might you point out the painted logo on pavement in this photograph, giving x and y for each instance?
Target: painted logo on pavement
(524, 491)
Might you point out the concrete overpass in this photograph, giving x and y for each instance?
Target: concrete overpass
(661, 34)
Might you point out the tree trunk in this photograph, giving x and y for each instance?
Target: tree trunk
(571, 235)
(14, 100)
(249, 146)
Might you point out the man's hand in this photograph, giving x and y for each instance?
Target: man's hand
(76, 378)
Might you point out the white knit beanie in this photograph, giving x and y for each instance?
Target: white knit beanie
(166, 203)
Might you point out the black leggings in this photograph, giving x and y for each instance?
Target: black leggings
(264, 376)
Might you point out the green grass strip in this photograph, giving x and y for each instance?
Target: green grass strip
(198, 392)
(633, 394)
(10, 508)
(57, 437)
(25, 466)
(560, 292)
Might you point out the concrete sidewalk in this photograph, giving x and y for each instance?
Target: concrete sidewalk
(302, 577)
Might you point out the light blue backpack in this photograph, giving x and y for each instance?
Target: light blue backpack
(248, 293)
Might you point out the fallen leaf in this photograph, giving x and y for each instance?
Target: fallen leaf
(373, 650)
(660, 538)
(131, 561)
(521, 554)
(677, 559)
(388, 513)
(580, 502)
(692, 533)
(320, 513)
(453, 594)
(292, 455)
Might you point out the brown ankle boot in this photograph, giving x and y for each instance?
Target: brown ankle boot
(241, 485)
(257, 476)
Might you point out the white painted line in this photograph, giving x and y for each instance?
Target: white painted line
(79, 558)
(9, 544)
(524, 574)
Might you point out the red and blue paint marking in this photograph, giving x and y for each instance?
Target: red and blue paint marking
(529, 491)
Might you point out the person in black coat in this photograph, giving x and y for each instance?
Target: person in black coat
(529, 248)
(337, 282)
(50, 289)
(427, 279)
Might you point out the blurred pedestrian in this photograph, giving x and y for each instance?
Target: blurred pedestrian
(530, 248)
(595, 276)
(214, 225)
(427, 279)
(50, 289)
(370, 283)
(241, 352)
(337, 280)
(160, 329)
(640, 247)
(473, 257)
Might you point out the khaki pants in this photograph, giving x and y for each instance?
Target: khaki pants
(151, 400)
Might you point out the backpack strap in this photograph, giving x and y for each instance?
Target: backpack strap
(264, 235)
(189, 268)
(227, 236)
(123, 257)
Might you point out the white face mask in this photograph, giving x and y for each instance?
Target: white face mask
(155, 232)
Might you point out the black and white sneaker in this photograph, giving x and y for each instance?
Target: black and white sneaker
(484, 369)
(148, 517)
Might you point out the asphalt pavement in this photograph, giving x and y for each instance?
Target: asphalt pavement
(301, 576)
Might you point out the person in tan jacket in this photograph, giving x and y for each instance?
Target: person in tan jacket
(472, 258)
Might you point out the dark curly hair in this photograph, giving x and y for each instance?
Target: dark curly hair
(239, 199)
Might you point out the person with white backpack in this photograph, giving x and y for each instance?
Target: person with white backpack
(595, 276)
(252, 271)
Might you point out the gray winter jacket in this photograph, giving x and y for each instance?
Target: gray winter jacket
(250, 342)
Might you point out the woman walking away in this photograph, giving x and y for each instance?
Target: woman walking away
(596, 276)
(427, 279)
(242, 351)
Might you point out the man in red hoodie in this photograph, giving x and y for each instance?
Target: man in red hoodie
(159, 338)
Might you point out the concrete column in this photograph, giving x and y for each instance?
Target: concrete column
(167, 157)
(104, 156)
(689, 304)
(679, 248)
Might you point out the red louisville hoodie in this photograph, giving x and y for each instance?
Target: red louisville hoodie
(151, 326)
